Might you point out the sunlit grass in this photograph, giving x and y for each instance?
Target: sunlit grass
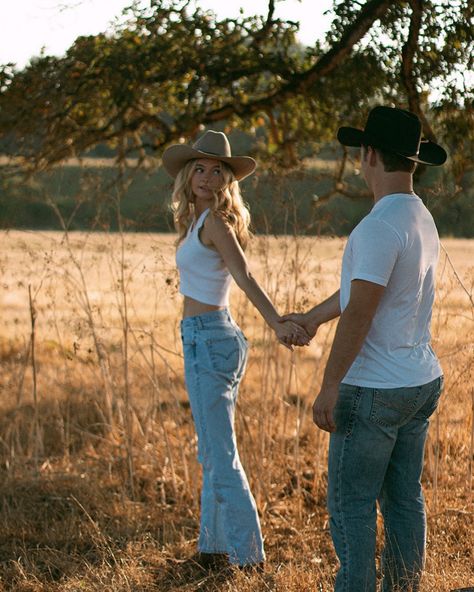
(100, 484)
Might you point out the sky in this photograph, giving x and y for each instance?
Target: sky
(27, 26)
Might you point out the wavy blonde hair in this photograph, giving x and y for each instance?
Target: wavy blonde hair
(228, 203)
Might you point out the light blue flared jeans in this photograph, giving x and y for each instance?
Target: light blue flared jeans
(376, 454)
(215, 355)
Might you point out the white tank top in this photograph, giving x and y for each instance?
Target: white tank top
(202, 273)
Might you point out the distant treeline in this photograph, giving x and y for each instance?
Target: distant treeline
(90, 197)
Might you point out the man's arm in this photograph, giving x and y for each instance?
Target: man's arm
(351, 332)
(321, 313)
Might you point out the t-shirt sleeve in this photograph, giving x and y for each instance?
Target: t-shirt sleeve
(376, 247)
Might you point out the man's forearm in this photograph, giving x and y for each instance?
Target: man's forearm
(325, 311)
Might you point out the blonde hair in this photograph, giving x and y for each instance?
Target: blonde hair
(228, 203)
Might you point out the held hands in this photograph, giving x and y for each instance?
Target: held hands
(303, 321)
(290, 333)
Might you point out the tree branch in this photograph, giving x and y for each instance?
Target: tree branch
(260, 35)
(407, 68)
(301, 82)
(271, 11)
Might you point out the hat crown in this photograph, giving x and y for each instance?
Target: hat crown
(210, 145)
(394, 130)
(397, 128)
(214, 144)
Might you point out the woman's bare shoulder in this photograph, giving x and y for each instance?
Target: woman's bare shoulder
(215, 221)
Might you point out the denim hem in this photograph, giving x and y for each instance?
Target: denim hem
(213, 550)
(247, 563)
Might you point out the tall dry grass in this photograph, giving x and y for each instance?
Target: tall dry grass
(100, 483)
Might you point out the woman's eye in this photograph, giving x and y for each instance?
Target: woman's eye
(217, 172)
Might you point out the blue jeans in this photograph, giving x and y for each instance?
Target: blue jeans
(376, 454)
(215, 355)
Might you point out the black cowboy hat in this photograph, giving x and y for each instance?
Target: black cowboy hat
(397, 131)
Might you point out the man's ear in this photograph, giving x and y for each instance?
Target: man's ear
(372, 156)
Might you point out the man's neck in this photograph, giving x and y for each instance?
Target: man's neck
(389, 183)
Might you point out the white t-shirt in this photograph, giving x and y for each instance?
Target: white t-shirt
(397, 246)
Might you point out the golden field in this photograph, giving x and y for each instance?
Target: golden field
(100, 485)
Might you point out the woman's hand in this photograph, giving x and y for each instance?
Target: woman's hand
(290, 333)
(303, 320)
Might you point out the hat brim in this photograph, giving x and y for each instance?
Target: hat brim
(176, 156)
(430, 153)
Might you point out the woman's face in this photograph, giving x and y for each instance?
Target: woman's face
(207, 178)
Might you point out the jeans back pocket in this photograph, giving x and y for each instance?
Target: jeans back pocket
(226, 355)
(431, 394)
(394, 407)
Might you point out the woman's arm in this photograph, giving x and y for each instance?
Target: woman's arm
(223, 239)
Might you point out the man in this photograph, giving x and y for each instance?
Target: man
(382, 380)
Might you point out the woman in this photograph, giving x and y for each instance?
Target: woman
(212, 223)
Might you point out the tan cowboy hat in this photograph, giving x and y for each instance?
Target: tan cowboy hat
(210, 145)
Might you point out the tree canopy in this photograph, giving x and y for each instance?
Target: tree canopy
(171, 69)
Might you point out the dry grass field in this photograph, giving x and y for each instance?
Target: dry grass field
(99, 482)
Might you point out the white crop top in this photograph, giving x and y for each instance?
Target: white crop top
(202, 272)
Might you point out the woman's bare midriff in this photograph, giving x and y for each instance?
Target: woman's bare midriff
(193, 307)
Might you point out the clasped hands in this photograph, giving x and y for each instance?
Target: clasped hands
(295, 329)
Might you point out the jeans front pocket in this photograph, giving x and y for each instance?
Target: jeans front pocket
(347, 406)
(187, 335)
(394, 407)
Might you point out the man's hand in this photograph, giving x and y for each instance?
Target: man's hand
(290, 333)
(302, 320)
(323, 408)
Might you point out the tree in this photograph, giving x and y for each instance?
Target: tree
(169, 71)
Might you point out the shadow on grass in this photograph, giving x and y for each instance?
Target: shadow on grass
(49, 528)
(59, 529)
(176, 575)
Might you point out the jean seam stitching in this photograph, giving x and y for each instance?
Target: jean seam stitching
(345, 557)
